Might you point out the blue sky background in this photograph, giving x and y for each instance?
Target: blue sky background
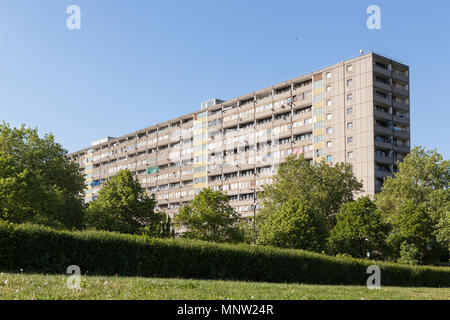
(136, 63)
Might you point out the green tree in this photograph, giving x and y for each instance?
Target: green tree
(412, 227)
(409, 254)
(37, 182)
(292, 225)
(319, 186)
(359, 230)
(418, 197)
(210, 217)
(123, 206)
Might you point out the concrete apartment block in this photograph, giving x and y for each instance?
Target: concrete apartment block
(355, 111)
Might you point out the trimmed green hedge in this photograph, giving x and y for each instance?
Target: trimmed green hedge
(43, 250)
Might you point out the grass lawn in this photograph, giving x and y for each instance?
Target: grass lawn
(34, 286)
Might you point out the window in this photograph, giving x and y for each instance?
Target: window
(329, 103)
(318, 152)
(350, 140)
(329, 144)
(328, 75)
(349, 82)
(329, 130)
(350, 154)
(350, 125)
(350, 111)
(318, 139)
(329, 116)
(349, 96)
(303, 136)
(328, 88)
(329, 158)
(349, 68)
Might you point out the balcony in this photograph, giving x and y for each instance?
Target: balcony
(302, 115)
(216, 126)
(187, 125)
(400, 76)
(303, 129)
(383, 144)
(247, 202)
(281, 121)
(402, 148)
(381, 85)
(263, 114)
(404, 134)
(382, 71)
(215, 116)
(380, 99)
(400, 91)
(163, 160)
(382, 115)
(382, 130)
(383, 174)
(247, 117)
(401, 119)
(215, 171)
(383, 159)
(401, 105)
(302, 88)
(174, 178)
(230, 123)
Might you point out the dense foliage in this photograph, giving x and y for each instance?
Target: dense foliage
(319, 186)
(416, 203)
(292, 225)
(310, 205)
(359, 231)
(45, 250)
(37, 182)
(124, 206)
(210, 217)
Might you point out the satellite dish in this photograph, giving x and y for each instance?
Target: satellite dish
(361, 51)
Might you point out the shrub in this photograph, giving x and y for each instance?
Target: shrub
(40, 249)
(124, 206)
(210, 217)
(294, 226)
(359, 230)
(409, 253)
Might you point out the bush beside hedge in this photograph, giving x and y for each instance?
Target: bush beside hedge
(43, 250)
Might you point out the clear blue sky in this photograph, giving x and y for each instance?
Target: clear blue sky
(136, 63)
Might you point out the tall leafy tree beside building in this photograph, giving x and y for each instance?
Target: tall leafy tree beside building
(360, 230)
(416, 202)
(292, 225)
(210, 217)
(37, 182)
(123, 206)
(319, 186)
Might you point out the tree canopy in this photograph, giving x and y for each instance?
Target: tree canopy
(210, 217)
(292, 225)
(124, 206)
(319, 186)
(359, 230)
(416, 202)
(37, 182)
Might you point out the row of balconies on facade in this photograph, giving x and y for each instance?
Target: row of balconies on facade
(162, 157)
(169, 145)
(397, 72)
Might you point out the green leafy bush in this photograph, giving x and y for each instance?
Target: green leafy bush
(292, 225)
(409, 253)
(359, 230)
(44, 250)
